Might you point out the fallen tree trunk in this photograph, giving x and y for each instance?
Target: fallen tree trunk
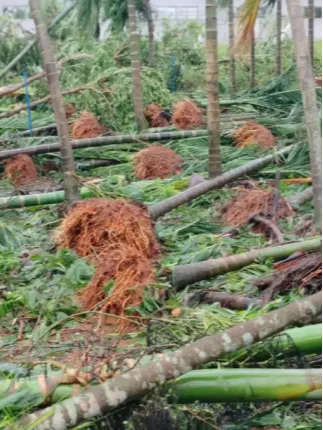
(246, 385)
(187, 274)
(301, 198)
(161, 208)
(225, 300)
(98, 400)
(46, 99)
(102, 141)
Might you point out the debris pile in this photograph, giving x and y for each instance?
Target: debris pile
(20, 170)
(157, 161)
(253, 133)
(155, 116)
(187, 115)
(87, 127)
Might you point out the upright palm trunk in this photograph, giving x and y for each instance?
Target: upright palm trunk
(252, 59)
(151, 41)
(135, 65)
(231, 47)
(279, 38)
(70, 183)
(213, 110)
(311, 15)
(307, 84)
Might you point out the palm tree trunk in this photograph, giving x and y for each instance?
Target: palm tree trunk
(307, 84)
(279, 38)
(311, 16)
(252, 60)
(135, 66)
(151, 39)
(213, 110)
(70, 183)
(231, 47)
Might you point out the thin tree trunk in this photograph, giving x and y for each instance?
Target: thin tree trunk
(32, 43)
(96, 401)
(312, 117)
(231, 47)
(187, 274)
(70, 183)
(213, 109)
(135, 66)
(279, 38)
(252, 60)
(311, 17)
(301, 198)
(151, 38)
(161, 208)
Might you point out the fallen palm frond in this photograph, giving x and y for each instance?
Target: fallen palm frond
(20, 170)
(101, 141)
(253, 133)
(46, 99)
(87, 127)
(94, 225)
(187, 115)
(246, 385)
(169, 366)
(157, 161)
(190, 273)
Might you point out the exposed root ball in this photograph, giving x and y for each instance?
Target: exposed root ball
(95, 224)
(254, 133)
(69, 110)
(155, 117)
(131, 272)
(249, 203)
(187, 115)
(157, 161)
(20, 170)
(87, 127)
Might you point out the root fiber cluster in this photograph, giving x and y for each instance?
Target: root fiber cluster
(87, 127)
(253, 133)
(20, 170)
(187, 115)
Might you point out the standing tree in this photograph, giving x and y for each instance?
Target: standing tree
(135, 66)
(279, 37)
(306, 79)
(311, 16)
(252, 60)
(213, 110)
(148, 14)
(70, 183)
(231, 47)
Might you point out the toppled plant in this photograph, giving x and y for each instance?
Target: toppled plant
(87, 127)
(157, 161)
(253, 133)
(187, 115)
(20, 170)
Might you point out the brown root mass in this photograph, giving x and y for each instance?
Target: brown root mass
(157, 161)
(87, 127)
(131, 272)
(249, 203)
(154, 117)
(20, 170)
(69, 110)
(187, 115)
(94, 225)
(253, 133)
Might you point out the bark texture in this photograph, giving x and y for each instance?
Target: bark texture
(213, 109)
(279, 37)
(70, 183)
(311, 17)
(135, 67)
(151, 29)
(231, 47)
(98, 400)
(252, 60)
(312, 117)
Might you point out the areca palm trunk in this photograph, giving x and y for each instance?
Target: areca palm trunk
(151, 39)
(70, 183)
(135, 66)
(231, 47)
(279, 38)
(213, 110)
(252, 60)
(311, 16)
(307, 85)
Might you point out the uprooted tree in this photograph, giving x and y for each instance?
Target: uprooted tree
(105, 397)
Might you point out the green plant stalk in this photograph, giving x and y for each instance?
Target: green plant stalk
(187, 274)
(247, 385)
(102, 141)
(32, 43)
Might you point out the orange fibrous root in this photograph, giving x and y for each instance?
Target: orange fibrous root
(187, 115)
(253, 133)
(20, 170)
(249, 203)
(87, 127)
(69, 110)
(153, 114)
(157, 161)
